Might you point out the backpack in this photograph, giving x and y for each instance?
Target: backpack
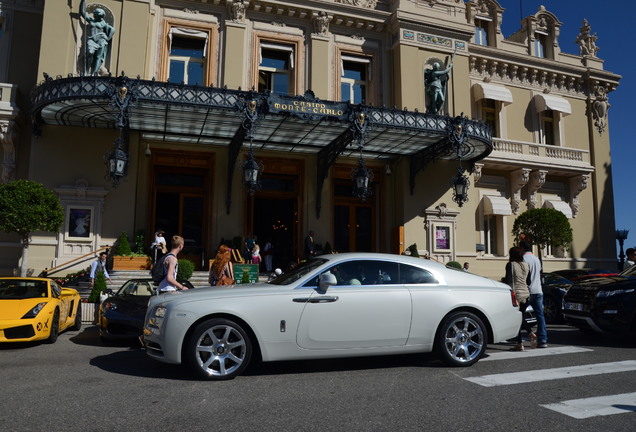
(158, 271)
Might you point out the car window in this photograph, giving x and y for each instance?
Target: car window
(415, 275)
(12, 289)
(298, 272)
(365, 272)
(56, 291)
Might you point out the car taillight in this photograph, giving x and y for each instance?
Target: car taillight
(514, 298)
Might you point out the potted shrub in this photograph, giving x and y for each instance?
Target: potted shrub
(125, 259)
(186, 269)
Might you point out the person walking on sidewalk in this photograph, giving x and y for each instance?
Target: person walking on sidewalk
(536, 292)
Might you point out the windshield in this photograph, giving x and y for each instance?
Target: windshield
(12, 289)
(630, 271)
(298, 272)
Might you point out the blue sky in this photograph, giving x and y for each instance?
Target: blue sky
(612, 25)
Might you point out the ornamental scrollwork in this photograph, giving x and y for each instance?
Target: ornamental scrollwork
(371, 4)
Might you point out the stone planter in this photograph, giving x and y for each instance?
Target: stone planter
(131, 263)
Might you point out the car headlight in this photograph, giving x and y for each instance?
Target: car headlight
(157, 316)
(160, 312)
(609, 293)
(35, 311)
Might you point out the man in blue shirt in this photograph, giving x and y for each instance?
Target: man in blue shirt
(99, 265)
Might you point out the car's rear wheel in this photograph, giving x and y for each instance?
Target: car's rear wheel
(218, 349)
(55, 327)
(77, 324)
(461, 339)
(551, 310)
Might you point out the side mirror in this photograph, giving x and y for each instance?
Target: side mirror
(327, 279)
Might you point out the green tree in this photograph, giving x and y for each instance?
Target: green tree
(543, 227)
(122, 248)
(27, 206)
(99, 285)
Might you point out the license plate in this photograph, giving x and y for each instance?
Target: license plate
(574, 306)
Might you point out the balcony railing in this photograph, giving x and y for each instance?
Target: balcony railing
(526, 152)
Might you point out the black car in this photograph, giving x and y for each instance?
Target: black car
(583, 273)
(604, 304)
(554, 288)
(121, 316)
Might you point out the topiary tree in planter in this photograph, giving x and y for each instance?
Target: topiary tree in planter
(454, 265)
(99, 285)
(140, 243)
(186, 269)
(27, 206)
(413, 250)
(125, 259)
(122, 247)
(543, 227)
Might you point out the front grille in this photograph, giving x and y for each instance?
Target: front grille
(21, 332)
(581, 294)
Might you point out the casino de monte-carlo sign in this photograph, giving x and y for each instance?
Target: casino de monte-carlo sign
(307, 107)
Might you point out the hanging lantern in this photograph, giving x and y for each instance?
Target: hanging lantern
(362, 177)
(117, 162)
(252, 170)
(460, 187)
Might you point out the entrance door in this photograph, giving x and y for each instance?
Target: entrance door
(353, 222)
(179, 203)
(274, 217)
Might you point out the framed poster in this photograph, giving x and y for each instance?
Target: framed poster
(442, 240)
(79, 223)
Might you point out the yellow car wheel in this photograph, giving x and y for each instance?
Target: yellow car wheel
(55, 327)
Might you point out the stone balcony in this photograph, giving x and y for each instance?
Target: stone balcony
(540, 156)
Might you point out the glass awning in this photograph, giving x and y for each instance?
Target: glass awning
(222, 117)
(212, 116)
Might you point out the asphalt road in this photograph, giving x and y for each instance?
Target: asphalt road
(80, 384)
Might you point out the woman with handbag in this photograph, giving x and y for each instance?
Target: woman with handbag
(222, 271)
(516, 276)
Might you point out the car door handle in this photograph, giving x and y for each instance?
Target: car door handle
(316, 299)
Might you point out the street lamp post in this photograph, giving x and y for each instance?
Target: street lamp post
(621, 236)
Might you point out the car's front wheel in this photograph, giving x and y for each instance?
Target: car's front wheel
(551, 310)
(218, 349)
(461, 339)
(77, 324)
(55, 327)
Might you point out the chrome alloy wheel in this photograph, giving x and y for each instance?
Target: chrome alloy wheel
(463, 339)
(221, 349)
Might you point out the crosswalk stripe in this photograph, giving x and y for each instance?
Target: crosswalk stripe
(539, 352)
(552, 374)
(596, 406)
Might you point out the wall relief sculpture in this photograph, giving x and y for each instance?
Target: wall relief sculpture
(362, 3)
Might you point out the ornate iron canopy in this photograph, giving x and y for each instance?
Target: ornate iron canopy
(212, 116)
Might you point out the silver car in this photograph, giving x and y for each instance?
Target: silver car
(342, 305)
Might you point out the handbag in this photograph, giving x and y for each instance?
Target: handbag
(225, 280)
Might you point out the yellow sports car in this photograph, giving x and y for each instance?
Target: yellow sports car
(34, 309)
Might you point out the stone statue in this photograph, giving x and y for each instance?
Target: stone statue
(100, 34)
(587, 41)
(435, 80)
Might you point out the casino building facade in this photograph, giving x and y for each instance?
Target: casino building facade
(216, 119)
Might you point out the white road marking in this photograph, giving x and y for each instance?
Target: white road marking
(596, 406)
(552, 374)
(537, 352)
